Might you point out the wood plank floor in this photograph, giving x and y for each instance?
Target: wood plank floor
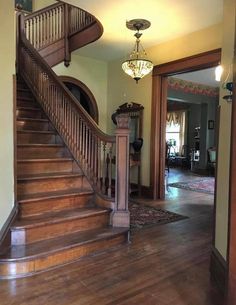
(163, 265)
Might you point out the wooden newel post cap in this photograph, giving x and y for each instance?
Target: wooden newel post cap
(123, 121)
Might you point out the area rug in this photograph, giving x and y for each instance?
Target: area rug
(205, 185)
(142, 216)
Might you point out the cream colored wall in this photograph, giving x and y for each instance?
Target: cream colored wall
(93, 73)
(222, 195)
(120, 84)
(7, 64)
(38, 4)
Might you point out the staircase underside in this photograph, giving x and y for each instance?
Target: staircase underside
(58, 221)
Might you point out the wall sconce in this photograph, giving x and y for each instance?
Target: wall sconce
(226, 84)
(218, 73)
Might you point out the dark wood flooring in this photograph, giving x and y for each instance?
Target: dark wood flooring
(163, 265)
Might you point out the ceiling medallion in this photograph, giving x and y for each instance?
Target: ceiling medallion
(137, 66)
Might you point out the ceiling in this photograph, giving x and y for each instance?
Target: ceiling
(205, 77)
(169, 19)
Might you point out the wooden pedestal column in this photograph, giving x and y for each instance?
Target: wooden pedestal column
(121, 215)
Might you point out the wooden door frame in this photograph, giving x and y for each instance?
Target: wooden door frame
(231, 257)
(159, 107)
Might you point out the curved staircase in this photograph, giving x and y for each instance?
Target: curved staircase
(64, 171)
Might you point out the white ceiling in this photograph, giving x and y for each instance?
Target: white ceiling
(169, 19)
(205, 77)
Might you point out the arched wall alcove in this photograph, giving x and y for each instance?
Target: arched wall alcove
(83, 94)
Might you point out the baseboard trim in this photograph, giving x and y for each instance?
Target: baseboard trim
(146, 191)
(218, 270)
(5, 232)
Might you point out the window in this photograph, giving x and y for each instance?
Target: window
(175, 131)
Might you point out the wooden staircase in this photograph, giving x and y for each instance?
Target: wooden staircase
(58, 221)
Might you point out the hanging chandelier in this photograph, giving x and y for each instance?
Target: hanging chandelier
(137, 66)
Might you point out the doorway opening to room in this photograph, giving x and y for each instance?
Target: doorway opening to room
(161, 74)
(83, 95)
(191, 125)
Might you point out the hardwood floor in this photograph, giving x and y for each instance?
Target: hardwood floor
(163, 265)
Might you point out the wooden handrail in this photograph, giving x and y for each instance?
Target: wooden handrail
(91, 148)
(59, 21)
(43, 64)
(43, 10)
(87, 143)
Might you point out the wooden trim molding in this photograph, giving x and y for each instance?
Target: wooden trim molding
(92, 101)
(188, 64)
(158, 110)
(15, 135)
(5, 231)
(217, 131)
(218, 270)
(232, 202)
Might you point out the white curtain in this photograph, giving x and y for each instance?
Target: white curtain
(177, 118)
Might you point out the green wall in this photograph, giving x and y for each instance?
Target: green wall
(7, 63)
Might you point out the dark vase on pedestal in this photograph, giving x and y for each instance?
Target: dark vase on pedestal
(137, 144)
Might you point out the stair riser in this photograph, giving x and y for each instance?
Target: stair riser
(23, 91)
(35, 265)
(25, 168)
(26, 103)
(41, 152)
(32, 138)
(29, 113)
(47, 231)
(50, 185)
(33, 125)
(24, 94)
(55, 204)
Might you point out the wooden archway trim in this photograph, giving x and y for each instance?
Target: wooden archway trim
(159, 105)
(93, 106)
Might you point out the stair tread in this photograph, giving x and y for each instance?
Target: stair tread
(57, 216)
(23, 89)
(55, 194)
(45, 160)
(36, 131)
(28, 108)
(43, 248)
(32, 119)
(28, 100)
(41, 144)
(48, 175)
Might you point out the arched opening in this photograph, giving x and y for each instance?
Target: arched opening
(83, 94)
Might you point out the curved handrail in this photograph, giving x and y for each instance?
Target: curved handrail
(92, 124)
(90, 147)
(61, 26)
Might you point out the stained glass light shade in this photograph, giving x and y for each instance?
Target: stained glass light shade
(137, 68)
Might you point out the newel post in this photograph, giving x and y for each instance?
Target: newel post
(19, 30)
(121, 215)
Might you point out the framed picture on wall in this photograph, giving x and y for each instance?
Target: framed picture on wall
(24, 5)
(211, 124)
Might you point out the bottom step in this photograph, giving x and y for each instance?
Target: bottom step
(21, 261)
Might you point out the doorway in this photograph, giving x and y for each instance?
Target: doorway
(83, 95)
(191, 131)
(159, 111)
